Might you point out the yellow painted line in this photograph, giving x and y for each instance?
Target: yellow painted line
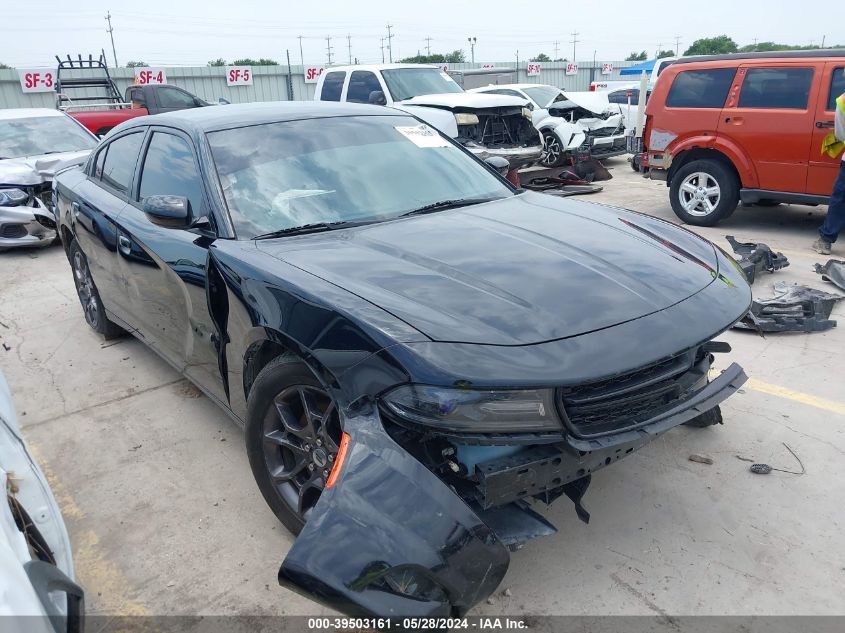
(94, 571)
(790, 394)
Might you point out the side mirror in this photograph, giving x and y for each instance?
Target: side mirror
(500, 164)
(223, 101)
(170, 211)
(377, 98)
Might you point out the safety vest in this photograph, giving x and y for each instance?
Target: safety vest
(830, 144)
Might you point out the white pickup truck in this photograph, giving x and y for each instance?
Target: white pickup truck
(487, 125)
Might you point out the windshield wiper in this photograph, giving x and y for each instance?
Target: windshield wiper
(447, 204)
(315, 227)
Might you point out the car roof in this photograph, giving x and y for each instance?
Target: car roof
(29, 113)
(803, 54)
(219, 117)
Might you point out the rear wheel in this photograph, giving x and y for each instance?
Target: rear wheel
(703, 192)
(89, 297)
(293, 435)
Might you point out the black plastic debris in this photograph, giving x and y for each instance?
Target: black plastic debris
(756, 257)
(833, 271)
(793, 309)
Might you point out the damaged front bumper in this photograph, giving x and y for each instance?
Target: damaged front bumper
(27, 225)
(518, 157)
(393, 539)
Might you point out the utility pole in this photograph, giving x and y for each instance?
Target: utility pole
(329, 49)
(823, 38)
(677, 45)
(301, 56)
(574, 41)
(382, 50)
(657, 54)
(557, 45)
(349, 46)
(390, 42)
(110, 31)
(472, 41)
(428, 46)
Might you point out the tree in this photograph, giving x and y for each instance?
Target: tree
(261, 61)
(637, 57)
(718, 45)
(2, 66)
(455, 57)
(137, 64)
(666, 53)
(217, 62)
(542, 57)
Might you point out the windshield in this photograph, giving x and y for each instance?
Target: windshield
(405, 83)
(42, 135)
(344, 169)
(543, 95)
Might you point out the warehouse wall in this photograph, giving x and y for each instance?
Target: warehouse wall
(270, 82)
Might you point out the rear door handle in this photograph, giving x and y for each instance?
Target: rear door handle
(124, 244)
(824, 123)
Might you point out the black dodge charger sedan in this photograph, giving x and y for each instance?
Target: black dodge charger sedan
(417, 351)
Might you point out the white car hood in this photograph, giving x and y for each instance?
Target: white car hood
(593, 101)
(473, 100)
(34, 170)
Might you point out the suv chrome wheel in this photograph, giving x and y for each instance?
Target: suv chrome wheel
(699, 194)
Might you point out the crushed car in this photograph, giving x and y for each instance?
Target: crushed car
(487, 125)
(576, 126)
(418, 351)
(34, 144)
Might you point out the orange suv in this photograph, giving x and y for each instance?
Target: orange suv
(749, 127)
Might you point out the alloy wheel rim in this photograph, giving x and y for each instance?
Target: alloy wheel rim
(301, 437)
(85, 289)
(553, 149)
(699, 194)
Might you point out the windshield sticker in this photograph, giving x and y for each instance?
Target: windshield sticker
(422, 135)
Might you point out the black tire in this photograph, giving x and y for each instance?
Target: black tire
(291, 453)
(89, 296)
(708, 418)
(707, 203)
(635, 162)
(555, 154)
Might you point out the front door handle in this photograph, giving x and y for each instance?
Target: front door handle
(124, 244)
(824, 123)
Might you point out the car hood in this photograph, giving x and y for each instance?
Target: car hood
(522, 270)
(34, 170)
(596, 102)
(460, 100)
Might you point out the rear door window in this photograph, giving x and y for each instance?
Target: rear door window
(361, 84)
(787, 88)
(701, 88)
(119, 165)
(837, 88)
(332, 86)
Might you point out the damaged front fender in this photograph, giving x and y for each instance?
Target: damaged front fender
(390, 539)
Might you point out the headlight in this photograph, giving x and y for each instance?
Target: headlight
(13, 197)
(463, 118)
(471, 410)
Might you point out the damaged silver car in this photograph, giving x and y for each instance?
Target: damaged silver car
(575, 126)
(34, 144)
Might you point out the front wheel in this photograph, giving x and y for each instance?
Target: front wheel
(703, 192)
(293, 436)
(554, 156)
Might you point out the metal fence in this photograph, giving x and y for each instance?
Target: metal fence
(270, 82)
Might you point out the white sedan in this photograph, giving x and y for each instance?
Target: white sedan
(574, 125)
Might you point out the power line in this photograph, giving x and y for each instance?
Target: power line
(110, 31)
(390, 42)
(574, 41)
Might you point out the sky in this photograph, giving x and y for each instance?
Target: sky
(191, 32)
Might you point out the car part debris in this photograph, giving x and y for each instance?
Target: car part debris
(793, 309)
(833, 271)
(765, 469)
(566, 183)
(701, 459)
(755, 257)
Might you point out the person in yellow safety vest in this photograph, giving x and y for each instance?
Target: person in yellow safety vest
(834, 221)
